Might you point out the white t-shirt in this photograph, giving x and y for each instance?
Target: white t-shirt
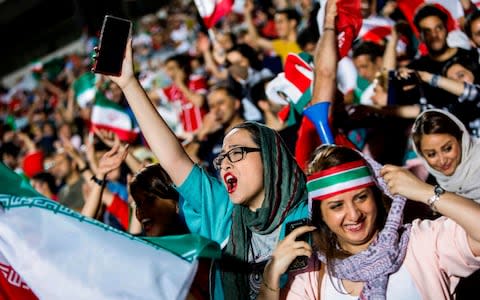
(400, 287)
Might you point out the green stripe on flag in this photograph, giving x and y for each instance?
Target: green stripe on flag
(14, 184)
(85, 88)
(336, 178)
(102, 101)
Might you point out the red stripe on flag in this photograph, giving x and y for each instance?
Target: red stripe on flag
(408, 8)
(124, 135)
(222, 8)
(12, 286)
(361, 186)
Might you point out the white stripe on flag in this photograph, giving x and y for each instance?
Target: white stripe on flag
(86, 96)
(63, 255)
(104, 115)
(340, 186)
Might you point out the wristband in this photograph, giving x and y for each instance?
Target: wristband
(434, 80)
(328, 28)
(100, 182)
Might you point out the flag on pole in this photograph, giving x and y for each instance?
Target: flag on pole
(48, 251)
(111, 116)
(212, 11)
(84, 88)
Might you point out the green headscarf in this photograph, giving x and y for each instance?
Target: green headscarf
(285, 189)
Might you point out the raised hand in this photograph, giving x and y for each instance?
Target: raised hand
(107, 137)
(127, 68)
(112, 159)
(203, 43)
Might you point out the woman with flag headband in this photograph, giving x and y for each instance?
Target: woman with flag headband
(366, 253)
(260, 189)
(361, 249)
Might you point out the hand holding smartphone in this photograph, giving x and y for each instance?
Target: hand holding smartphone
(300, 262)
(111, 48)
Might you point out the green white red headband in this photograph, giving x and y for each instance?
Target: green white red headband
(339, 179)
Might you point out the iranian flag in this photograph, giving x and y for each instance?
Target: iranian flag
(212, 11)
(111, 116)
(48, 251)
(84, 89)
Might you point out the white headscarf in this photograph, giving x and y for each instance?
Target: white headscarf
(465, 180)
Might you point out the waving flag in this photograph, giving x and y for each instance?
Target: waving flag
(348, 23)
(109, 115)
(84, 88)
(212, 11)
(51, 252)
(12, 285)
(294, 85)
(410, 7)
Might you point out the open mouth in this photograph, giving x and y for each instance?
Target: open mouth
(230, 182)
(354, 227)
(445, 167)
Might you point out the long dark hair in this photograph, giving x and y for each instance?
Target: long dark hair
(154, 181)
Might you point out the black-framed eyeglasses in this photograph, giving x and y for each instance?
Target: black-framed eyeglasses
(233, 155)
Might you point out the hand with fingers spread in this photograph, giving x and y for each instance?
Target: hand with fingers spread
(107, 137)
(112, 159)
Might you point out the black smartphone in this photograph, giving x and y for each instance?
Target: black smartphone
(112, 45)
(300, 262)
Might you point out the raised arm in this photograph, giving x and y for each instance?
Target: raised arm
(203, 46)
(465, 212)
(390, 53)
(258, 41)
(447, 84)
(109, 161)
(325, 60)
(159, 136)
(110, 138)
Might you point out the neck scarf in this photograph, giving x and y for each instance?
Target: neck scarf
(464, 181)
(285, 189)
(383, 256)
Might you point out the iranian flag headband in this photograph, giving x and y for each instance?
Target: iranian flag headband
(339, 179)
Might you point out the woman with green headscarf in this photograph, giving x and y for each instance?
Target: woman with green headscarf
(260, 188)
